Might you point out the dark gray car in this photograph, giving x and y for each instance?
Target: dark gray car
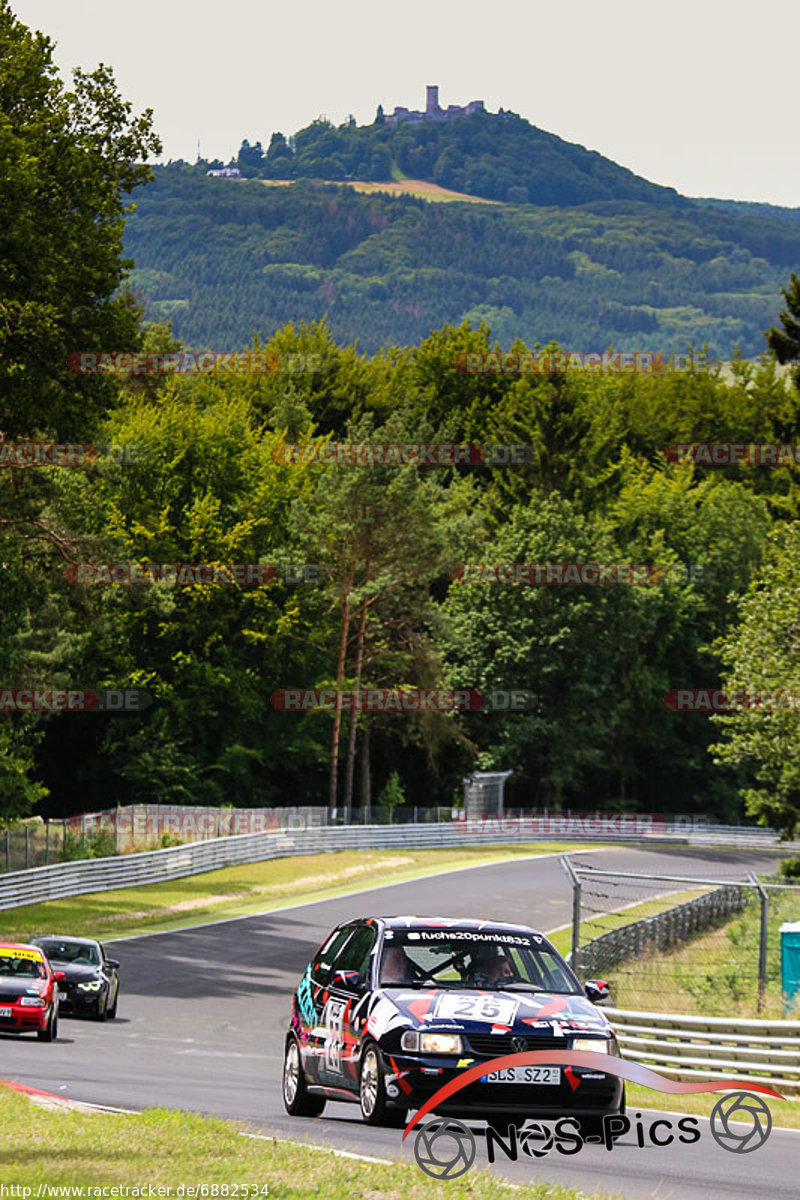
(91, 978)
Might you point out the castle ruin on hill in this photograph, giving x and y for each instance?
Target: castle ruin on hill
(433, 111)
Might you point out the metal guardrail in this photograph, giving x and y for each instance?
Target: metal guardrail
(661, 931)
(18, 888)
(689, 1047)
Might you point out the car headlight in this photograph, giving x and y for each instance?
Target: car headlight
(93, 985)
(33, 1002)
(601, 1045)
(440, 1043)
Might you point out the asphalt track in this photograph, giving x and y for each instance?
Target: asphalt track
(203, 1013)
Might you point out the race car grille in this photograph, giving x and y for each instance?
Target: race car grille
(494, 1044)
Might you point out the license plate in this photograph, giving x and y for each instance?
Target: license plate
(540, 1075)
(5, 1012)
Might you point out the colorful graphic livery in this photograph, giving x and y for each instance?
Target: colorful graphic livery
(28, 992)
(393, 1008)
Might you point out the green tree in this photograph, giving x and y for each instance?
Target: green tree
(761, 655)
(785, 342)
(67, 159)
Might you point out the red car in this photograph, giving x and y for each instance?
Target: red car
(28, 992)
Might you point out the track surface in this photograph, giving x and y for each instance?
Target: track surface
(203, 1013)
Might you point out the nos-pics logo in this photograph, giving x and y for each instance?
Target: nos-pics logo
(445, 1148)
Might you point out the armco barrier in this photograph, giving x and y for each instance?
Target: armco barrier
(19, 888)
(689, 1047)
(662, 931)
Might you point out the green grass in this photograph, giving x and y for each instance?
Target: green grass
(713, 974)
(785, 1113)
(163, 1148)
(246, 890)
(593, 927)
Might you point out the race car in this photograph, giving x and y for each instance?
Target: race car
(90, 980)
(391, 1009)
(28, 992)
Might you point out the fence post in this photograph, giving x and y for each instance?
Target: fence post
(27, 846)
(762, 941)
(576, 911)
(8, 849)
(47, 843)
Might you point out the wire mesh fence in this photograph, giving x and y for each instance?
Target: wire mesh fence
(32, 844)
(676, 944)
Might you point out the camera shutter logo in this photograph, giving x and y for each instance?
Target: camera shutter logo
(740, 1106)
(444, 1149)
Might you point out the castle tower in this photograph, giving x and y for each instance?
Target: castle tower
(432, 105)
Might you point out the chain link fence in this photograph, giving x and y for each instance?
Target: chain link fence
(678, 944)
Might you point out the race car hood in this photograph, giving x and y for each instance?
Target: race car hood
(537, 1014)
(21, 987)
(75, 973)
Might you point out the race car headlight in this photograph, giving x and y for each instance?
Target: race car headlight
(440, 1043)
(93, 985)
(33, 1002)
(431, 1043)
(601, 1045)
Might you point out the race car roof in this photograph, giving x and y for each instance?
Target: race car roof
(412, 922)
(64, 937)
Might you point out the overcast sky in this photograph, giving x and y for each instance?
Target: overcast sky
(697, 94)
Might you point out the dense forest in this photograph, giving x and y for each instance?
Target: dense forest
(225, 259)
(388, 604)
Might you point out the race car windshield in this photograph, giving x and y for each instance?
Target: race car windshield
(473, 958)
(71, 952)
(21, 966)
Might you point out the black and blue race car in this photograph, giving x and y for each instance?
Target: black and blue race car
(390, 1009)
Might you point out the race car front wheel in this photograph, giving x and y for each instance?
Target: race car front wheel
(296, 1098)
(372, 1092)
(50, 1032)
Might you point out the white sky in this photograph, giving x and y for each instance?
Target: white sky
(696, 94)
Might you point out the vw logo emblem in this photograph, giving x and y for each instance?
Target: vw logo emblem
(745, 1107)
(519, 1044)
(444, 1148)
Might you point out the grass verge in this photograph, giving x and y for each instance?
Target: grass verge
(785, 1113)
(714, 973)
(163, 1148)
(248, 889)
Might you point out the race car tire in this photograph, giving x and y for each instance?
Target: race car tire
(296, 1098)
(372, 1092)
(51, 1032)
(593, 1126)
(100, 1012)
(112, 1012)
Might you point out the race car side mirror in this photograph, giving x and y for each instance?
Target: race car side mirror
(112, 962)
(596, 990)
(59, 976)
